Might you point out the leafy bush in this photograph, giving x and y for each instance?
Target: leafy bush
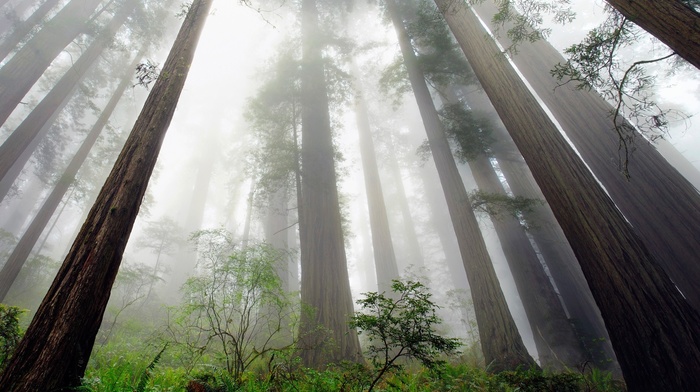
(401, 325)
(236, 311)
(10, 333)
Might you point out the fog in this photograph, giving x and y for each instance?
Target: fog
(206, 171)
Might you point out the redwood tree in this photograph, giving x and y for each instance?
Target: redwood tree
(655, 332)
(19, 255)
(655, 198)
(384, 256)
(674, 22)
(55, 349)
(325, 285)
(500, 340)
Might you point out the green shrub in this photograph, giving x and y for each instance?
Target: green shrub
(10, 333)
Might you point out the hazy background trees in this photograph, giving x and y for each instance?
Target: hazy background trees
(238, 156)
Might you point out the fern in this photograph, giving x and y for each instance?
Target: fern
(148, 372)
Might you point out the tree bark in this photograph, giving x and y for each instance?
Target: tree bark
(654, 331)
(674, 23)
(24, 246)
(500, 340)
(384, 256)
(557, 344)
(657, 199)
(55, 349)
(325, 285)
(551, 242)
(19, 146)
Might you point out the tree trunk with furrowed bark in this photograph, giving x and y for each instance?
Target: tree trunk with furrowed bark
(55, 349)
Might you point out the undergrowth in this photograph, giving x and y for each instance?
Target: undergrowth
(125, 372)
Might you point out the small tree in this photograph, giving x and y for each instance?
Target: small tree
(401, 325)
(235, 307)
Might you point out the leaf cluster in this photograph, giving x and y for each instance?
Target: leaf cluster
(401, 325)
(470, 134)
(146, 73)
(438, 55)
(499, 204)
(10, 333)
(523, 19)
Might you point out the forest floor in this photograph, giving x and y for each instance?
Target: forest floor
(126, 373)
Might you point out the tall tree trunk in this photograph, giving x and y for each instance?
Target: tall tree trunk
(28, 134)
(500, 340)
(245, 235)
(440, 221)
(19, 74)
(657, 195)
(23, 28)
(551, 242)
(384, 256)
(655, 199)
(413, 252)
(556, 341)
(557, 344)
(654, 331)
(276, 226)
(14, 263)
(325, 285)
(364, 254)
(55, 349)
(674, 23)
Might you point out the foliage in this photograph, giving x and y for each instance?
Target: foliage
(122, 364)
(351, 378)
(146, 73)
(535, 380)
(597, 63)
(401, 325)
(437, 53)
(161, 237)
(148, 372)
(10, 333)
(524, 18)
(498, 204)
(274, 114)
(394, 82)
(471, 135)
(235, 309)
(32, 281)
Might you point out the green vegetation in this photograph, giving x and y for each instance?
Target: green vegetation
(236, 332)
(401, 325)
(124, 376)
(9, 331)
